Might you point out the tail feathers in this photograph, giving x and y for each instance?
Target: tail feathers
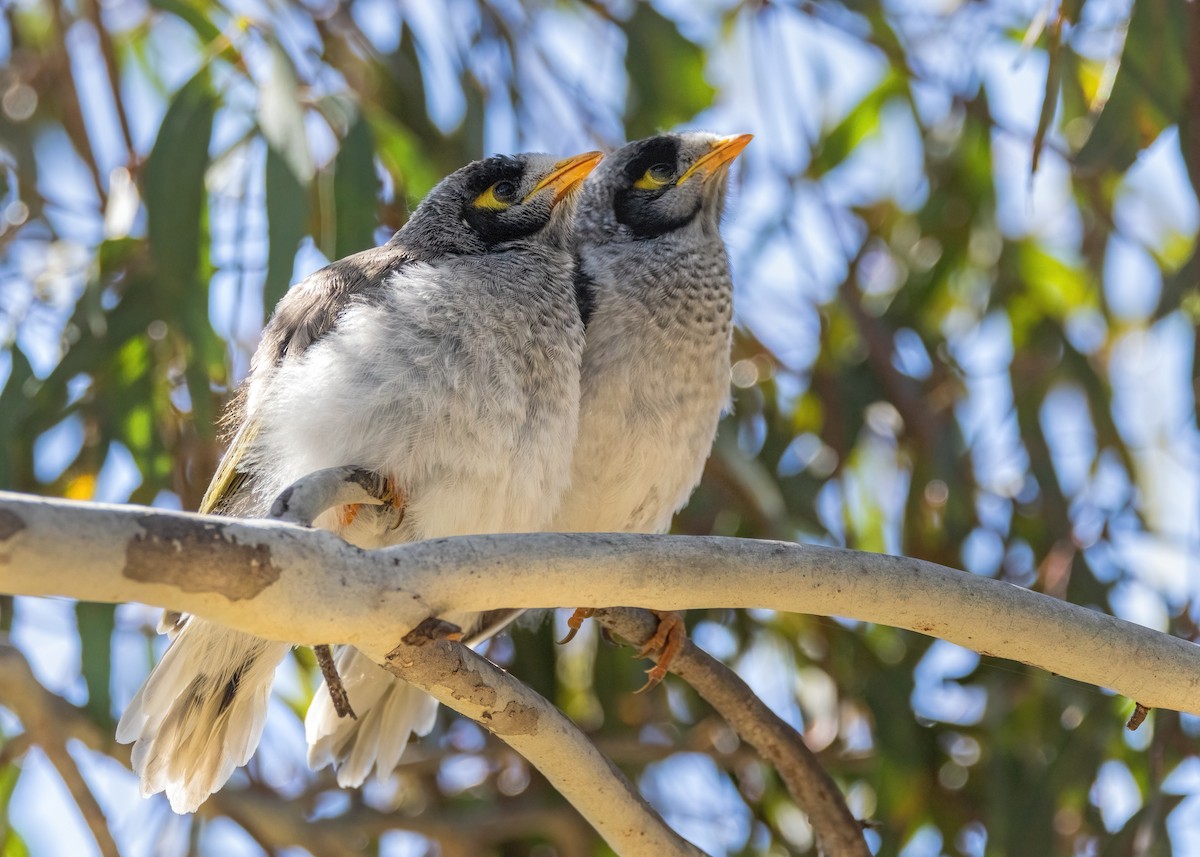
(389, 711)
(201, 712)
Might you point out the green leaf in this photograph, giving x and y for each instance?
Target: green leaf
(1149, 91)
(95, 648)
(176, 206)
(666, 74)
(402, 155)
(11, 843)
(174, 186)
(1054, 50)
(16, 463)
(287, 216)
(197, 18)
(861, 123)
(355, 189)
(115, 254)
(1057, 288)
(14, 845)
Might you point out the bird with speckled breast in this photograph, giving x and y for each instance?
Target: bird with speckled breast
(656, 294)
(447, 361)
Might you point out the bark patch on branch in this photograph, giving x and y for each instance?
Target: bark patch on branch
(427, 662)
(10, 524)
(154, 558)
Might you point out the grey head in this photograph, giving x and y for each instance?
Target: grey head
(648, 219)
(505, 202)
(502, 203)
(658, 186)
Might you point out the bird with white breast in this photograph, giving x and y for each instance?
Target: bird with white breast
(446, 360)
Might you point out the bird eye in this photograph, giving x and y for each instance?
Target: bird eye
(657, 176)
(499, 196)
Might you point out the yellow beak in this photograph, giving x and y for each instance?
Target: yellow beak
(722, 152)
(567, 174)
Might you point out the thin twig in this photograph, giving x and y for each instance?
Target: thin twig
(91, 8)
(72, 110)
(333, 681)
(808, 782)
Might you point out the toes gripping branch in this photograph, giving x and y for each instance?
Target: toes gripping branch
(667, 641)
(303, 502)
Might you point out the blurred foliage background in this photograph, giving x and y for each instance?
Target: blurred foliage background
(965, 253)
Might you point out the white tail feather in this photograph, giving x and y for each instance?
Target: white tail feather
(201, 712)
(389, 711)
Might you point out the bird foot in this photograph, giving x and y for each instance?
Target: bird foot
(576, 621)
(392, 503)
(668, 640)
(346, 515)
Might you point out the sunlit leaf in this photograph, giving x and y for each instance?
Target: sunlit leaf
(402, 156)
(11, 843)
(861, 123)
(82, 487)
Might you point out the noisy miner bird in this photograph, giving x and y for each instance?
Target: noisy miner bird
(653, 282)
(446, 360)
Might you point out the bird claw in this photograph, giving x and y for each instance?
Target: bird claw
(581, 615)
(668, 641)
(391, 500)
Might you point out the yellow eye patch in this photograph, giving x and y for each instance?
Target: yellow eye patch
(657, 176)
(498, 197)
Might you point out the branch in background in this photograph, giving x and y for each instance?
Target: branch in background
(260, 577)
(91, 9)
(70, 105)
(269, 819)
(37, 710)
(476, 688)
(809, 784)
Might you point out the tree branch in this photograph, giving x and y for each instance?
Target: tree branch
(260, 576)
(808, 782)
(450, 672)
(475, 687)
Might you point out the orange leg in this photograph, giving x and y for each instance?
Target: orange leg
(347, 514)
(667, 641)
(576, 621)
(392, 497)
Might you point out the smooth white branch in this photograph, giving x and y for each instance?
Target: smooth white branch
(284, 582)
